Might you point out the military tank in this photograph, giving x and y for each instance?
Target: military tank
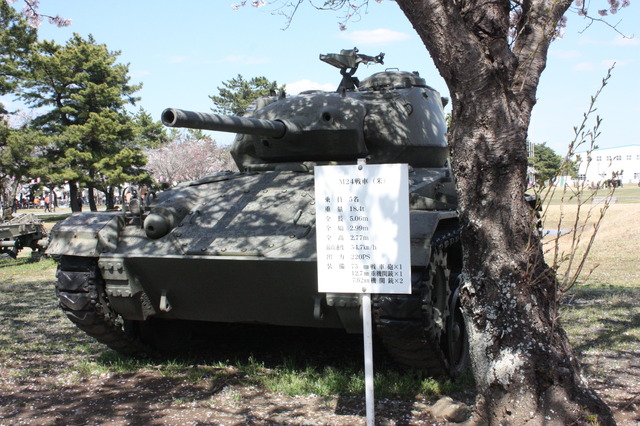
(241, 247)
(23, 230)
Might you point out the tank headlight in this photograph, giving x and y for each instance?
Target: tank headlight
(156, 226)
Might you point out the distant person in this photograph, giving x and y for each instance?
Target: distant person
(143, 192)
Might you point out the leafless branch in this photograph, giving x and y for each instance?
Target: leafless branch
(582, 9)
(570, 265)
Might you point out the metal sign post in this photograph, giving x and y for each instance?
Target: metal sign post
(367, 333)
(362, 226)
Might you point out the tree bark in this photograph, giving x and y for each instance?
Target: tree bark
(110, 205)
(525, 369)
(13, 194)
(92, 199)
(75, 197)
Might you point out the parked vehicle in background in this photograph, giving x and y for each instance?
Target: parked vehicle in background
(23, 230)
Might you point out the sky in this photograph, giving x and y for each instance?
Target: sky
(182, 52)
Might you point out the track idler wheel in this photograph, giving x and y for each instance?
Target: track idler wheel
(80, 291)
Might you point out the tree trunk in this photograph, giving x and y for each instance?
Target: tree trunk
(525, 369)
(523, 364)
(13, 194)
(92, 199)
(75, 197)
(109, 199)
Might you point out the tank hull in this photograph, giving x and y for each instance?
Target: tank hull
(243, 249)
(232, 289)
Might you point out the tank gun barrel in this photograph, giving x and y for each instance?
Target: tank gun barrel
(173, 117)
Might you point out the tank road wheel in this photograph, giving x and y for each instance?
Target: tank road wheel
(411, 326)
(80, 290)
(455, 340)
(436, 293)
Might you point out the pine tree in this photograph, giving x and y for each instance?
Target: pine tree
(237, 94)
(546, 162)
(16, 42)
(84, 91)
(17, 147)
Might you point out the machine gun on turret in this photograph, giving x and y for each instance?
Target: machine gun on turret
(348, 61)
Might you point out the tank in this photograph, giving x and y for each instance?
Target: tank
(24, 230)
(241, 247)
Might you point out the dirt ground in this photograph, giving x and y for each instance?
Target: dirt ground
(40, 387)
(42, 378)
(45, 393)
(146, 399)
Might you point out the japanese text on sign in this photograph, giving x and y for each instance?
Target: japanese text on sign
(362, 223)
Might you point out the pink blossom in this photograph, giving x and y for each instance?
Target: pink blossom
(187, 159)
(59, 21)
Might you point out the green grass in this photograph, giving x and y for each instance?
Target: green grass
(629, 194)
(287, 377)
(27, 264)
(54, 218)
(349, 380)
(602, 319)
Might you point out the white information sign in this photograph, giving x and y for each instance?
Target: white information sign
(362, 224)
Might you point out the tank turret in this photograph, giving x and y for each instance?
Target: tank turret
(391, 117)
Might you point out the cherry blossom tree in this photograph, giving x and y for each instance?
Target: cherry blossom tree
(188, 156)
(35, 17)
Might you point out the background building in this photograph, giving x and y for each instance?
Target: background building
(620, 163)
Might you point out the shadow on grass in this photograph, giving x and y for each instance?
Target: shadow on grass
(247, 366)
(603, 317)
(604, 327)
(291, 360)
(55, 373)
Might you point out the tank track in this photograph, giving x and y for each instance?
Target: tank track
(80, 291)
(8, 254)
(411, 326)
